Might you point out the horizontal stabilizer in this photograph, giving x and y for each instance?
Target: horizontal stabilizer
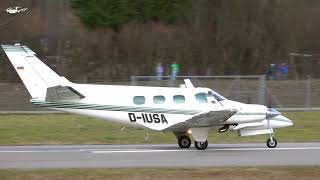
(62, 93)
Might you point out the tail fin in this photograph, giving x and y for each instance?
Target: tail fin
(35, 75)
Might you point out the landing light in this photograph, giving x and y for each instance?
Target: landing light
(189, 131)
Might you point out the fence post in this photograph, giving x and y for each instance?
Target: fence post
(238, 89)
(308, 93)
(262, 90)
(133, 80)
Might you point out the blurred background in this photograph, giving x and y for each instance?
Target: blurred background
(264, 51)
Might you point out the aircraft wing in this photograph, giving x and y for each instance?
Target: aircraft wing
(206, 119)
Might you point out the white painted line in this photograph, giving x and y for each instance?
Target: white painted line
(111, 149)
(38, 151)
(101, 151)
(193, 150)
(75, 150)
(140, 151)
(266, 149)
(62, 150)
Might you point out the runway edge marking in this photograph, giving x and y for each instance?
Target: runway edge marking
(101, 151)
(231, 149)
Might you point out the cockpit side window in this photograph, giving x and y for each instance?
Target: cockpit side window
(217, 96)
(201, 98)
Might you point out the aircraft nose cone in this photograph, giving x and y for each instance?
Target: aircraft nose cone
(287, 121)
(280, 121)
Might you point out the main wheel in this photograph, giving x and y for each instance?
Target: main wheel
(272, 143)
(184, 142)
(201, 145)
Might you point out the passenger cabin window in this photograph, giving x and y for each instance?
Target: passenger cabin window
(201, 98)
(138, 100)
(179, 99)
(159, 99)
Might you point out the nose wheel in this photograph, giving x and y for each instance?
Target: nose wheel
(272, 142)
(184, 142)
(201, 145)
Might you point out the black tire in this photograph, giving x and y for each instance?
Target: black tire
(272, 144)
(201, 145)
(184, 142)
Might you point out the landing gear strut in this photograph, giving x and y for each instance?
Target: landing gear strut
(184, 142)
(272, 142)
(201, 145)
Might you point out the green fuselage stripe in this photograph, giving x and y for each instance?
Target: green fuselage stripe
(72, 105)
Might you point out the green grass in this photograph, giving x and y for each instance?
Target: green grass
(234, 173)
(72, 129)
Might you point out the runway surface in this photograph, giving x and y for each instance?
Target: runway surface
(164, 155)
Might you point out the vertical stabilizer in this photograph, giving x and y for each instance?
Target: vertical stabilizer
(35, 75)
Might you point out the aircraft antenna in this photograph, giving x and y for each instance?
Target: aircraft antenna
(188, 83)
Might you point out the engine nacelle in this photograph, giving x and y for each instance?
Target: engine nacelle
(252, 132)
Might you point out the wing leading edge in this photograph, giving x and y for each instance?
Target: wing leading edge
(206, 119)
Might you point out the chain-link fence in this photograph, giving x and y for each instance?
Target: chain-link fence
(248, 89)
(302, 93)
(240, 88)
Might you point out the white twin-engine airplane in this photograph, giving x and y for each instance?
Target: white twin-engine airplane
(184, 111)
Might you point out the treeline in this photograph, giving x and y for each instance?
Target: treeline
(116, 39)
(114, 14)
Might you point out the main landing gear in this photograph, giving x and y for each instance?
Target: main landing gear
(201, 145)
(184, 142)
(272, 142)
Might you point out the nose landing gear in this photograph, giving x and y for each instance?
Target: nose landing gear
(272, 142)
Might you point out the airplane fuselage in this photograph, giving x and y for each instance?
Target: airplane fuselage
(117, 103)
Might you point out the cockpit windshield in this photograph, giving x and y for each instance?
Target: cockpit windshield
(217, 96)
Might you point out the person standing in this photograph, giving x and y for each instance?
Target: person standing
(272, 72)
(159, 71)
(174, 70)
(283, 71)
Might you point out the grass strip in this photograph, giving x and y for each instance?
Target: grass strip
(234, 173)
(73, 129)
